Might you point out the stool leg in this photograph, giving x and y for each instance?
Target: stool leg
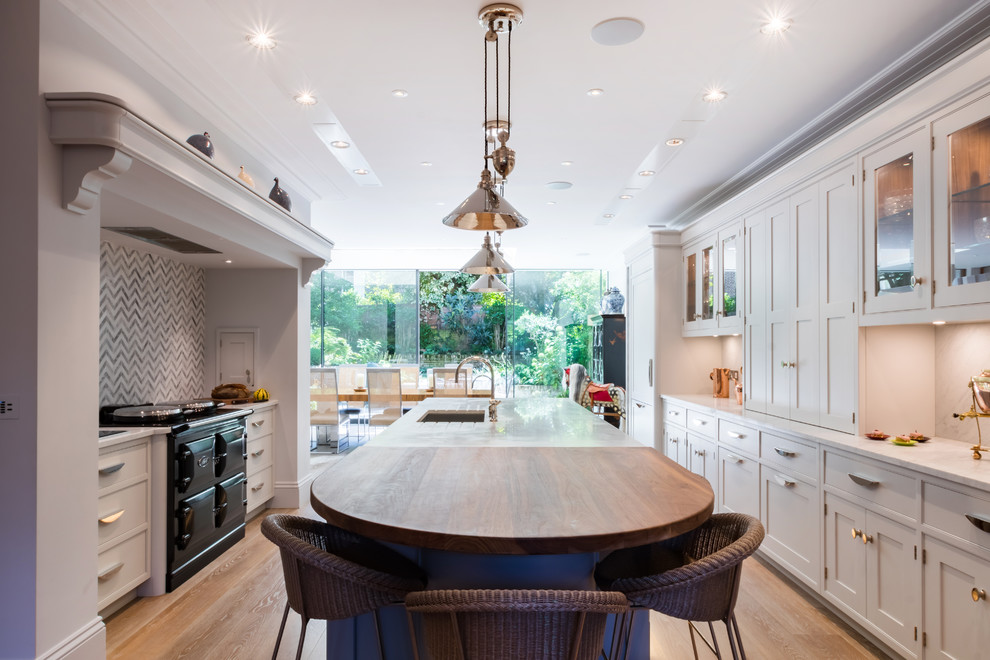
(378, 635)
(718, 654)
(281, 629)
(302, 637)
(735, 627)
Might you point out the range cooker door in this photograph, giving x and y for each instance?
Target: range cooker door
(194, 525)
(194, 465)
(229, 504)
(230, 450)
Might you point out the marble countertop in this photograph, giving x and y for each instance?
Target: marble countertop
(939, 457)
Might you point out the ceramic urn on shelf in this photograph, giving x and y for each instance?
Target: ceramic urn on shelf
(612, 301)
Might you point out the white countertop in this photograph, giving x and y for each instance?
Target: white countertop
(940, 457)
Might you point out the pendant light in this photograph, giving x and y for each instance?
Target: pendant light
(488, 284)
(487, 261)
(485, 209)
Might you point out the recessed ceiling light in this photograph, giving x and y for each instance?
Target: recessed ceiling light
(426, 163)
(714, 95)
(261, 40)
(361, 171)
(617, 31)
(647, 173)
(400, 93)
(595, 92)
(228, 261)
(938, 322)
(566, 163)
(776, 25)
(440, 203)
(305, 98)
(559, 185)
(625, 196)
(551, 203)
(674, 142)
(608, 215)
(340, 144)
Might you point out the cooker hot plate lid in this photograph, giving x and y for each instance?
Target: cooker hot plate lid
(161, 413)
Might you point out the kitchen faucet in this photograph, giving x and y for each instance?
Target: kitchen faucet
(493, 403)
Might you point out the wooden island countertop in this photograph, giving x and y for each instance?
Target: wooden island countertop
(547, 478)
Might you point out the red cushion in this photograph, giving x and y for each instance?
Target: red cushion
(599, 392)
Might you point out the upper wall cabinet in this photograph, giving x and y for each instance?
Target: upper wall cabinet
(962, 205)
(896, 224)
(711, 266)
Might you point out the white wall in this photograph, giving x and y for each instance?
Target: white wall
(274, 302)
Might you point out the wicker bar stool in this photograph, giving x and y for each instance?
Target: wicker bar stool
(332, 574)
(514, 624)
(694, 576)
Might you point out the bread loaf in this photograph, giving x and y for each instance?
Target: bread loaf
(230, 391)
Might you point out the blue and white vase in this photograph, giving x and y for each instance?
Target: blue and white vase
(612, 301)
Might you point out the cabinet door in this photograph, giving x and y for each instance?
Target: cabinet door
(699, 263)
(961, 179)
(729, 260)
(778, 311)
(640, 420)
(675, 444)
(838, 287)
(893, 587)
(701, 458)
(805, 352)
(955, 623)
(896, 220)
(791, 519)
(845, 554)
(640, 334)
(755, 352)
(739, 483)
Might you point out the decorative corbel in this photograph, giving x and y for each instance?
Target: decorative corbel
(85, 169)
(308, 267)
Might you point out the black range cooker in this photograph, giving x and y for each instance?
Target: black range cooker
(207, 498)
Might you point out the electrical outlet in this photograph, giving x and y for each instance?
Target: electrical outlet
(8, 410)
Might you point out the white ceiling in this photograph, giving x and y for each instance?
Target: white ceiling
(352, 55)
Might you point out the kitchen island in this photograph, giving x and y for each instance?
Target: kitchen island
(529, 501)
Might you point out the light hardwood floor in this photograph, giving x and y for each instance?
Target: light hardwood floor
(233, 608)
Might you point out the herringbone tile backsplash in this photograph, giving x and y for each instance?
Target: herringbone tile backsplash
(152, 328)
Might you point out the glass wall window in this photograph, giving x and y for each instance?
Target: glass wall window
(429, 318)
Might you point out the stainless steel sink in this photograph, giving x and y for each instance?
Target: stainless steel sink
(453, 416)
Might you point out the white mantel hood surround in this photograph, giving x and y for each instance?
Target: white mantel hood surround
(103, 139)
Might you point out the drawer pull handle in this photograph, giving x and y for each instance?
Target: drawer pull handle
(673, 413)
(863, 481)
(699, 422)
(110, 469)
(784, 481)
(108, 573)
(112, 518)
(258, 487)
(733, 458)
(980, 522)
(978, 594)
(258, 424)
(258, 453)
(640, 405)
(785, 453)
(733, 434)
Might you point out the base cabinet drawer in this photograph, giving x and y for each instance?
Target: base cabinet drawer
(260, 488)
(123, 465)
(963, 515)
(789, 455)
(122, 511)
(738, 437)
(122, 567)
(259, 454)
(872, 482)
(702, 424)
(739, 483)
(793, 525)
(259, 424)
(956, 620)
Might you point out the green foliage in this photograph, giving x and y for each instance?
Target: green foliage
(729, 304)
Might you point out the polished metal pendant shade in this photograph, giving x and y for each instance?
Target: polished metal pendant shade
(485, 210)
(488, 284)
(487, 261)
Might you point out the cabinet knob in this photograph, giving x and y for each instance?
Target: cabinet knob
(856, 533)
(866, 538)
(783, 364)
(916, 281)
(699, 452)
(978, 594)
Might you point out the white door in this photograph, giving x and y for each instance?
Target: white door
(793, 529)
(640, 338)
(780, 304)
(804, 349)
(235, 357)
(755, 357)
(893, 589)
(955, 622)
(845, 554)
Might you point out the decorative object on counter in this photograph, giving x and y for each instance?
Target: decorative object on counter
(903, 441)
(918, 437)
(261, 394)
(280, 197)
(612, 301)
(979, 387)
(493, 405)
(231, 392)
(739, 397)
(201, 143)
(877, 434)
(720, 382)
(485, 209)
(245, 177)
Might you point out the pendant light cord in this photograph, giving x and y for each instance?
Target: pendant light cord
(508, 86)
(498, 120)
(485, 114)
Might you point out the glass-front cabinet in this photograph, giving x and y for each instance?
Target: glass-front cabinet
(962, 205)
(896, 240)
(710, 268)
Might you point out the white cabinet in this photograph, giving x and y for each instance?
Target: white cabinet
(738, 483)
(961, 221)
(702, 459)
(956, 607)
(122, 514)
(711, 268)
(897, 228)
(675, 442)
(259, 471)
(800, 306)
(640, 350)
